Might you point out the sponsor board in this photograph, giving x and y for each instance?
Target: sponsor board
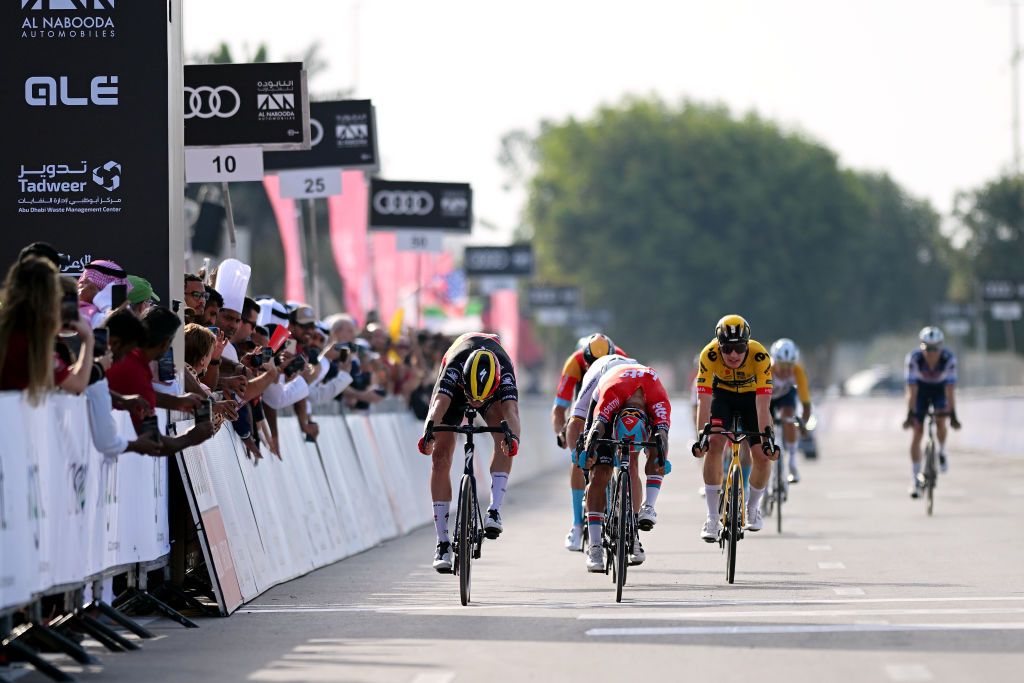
(343, 135)
(420, 205)
(499, 261)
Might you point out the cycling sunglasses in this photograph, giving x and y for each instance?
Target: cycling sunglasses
(734, 348)
(932, 348)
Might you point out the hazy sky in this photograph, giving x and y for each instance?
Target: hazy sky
(918, 88)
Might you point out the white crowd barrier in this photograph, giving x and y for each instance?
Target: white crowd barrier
(364, 482)
(68, 513)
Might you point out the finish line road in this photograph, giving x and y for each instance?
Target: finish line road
(861, 586)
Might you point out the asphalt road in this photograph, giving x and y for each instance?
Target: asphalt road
(862, 586)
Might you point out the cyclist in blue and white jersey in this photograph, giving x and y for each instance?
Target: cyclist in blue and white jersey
(931, 380)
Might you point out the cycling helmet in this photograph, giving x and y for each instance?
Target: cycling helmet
(732, 328)
(482, 374)
(931, 336)
(630, 423)
(597, 345)
(784, 351)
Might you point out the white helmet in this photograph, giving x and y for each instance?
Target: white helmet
(931, 336)
(784, 351)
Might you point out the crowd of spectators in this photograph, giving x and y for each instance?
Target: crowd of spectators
(248, 361)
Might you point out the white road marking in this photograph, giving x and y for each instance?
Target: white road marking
(434, 677)
(815, 548)
(908, 672)
(848, 591)
(798, 628)
(831, 565)
(810, 614)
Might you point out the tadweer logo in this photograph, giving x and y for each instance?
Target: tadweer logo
(69, 178)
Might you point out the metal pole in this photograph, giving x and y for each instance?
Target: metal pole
(314, 254)
(1014, 74)
(419, 286)
(1011, 342)
(232, 244)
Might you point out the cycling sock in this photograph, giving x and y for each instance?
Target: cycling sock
(577, 506)
(594, 522)
(917, 468)
(653, 488)
(499, 480)
(791, 450)
(711, 494)
(755, 498)
(441, 520)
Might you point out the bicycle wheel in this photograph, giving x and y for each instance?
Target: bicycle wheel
(467, 511)
(734, 529)
(780, 492)
(610, 528)
(930, 473)
(624, 539)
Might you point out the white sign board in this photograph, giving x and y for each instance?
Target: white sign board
(552, 316)
(223, 164)
(958, 327)
(490, 285)
(416, 240)
(310, 183)
(1006, 310)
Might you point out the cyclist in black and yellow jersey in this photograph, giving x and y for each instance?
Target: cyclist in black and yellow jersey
(734, 378)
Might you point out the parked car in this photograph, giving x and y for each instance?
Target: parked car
(881, 380)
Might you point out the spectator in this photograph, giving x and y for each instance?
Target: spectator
(132, 375)
(214, 302)
(97, 276)
(141, 297)
(29, 321)
(195, 295)
(200, 344)
(44, 250)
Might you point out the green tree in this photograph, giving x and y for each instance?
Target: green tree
(675, 215)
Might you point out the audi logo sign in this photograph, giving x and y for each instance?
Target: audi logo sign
(420, 205)
(515, 260)
(260, 105)
(398, 203)
(344, 136)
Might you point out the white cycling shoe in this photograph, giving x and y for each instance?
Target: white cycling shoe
(754, 519)
(574, 539)
(595, 559)
(492, 524)
(711, 530)
(637, 555)
(443, 557)
(647, 517)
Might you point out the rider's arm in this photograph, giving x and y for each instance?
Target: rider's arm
(912, 378)
(439, 407)
(572, 431)
(510, 411)
(763, 387)
(951, 396)
(703, 410)
(803, 390)
(558, 418)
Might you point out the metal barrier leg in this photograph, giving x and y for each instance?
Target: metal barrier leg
(115, 616)
(169, 592)
(159, 606)
(110, 638)
(70, 626)
(19, 652)
(55, 642)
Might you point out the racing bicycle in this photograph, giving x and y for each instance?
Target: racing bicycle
(777, 494)
(930, 472)
(469, 522)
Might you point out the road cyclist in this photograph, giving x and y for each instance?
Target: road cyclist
(789, 383)
(588, 350)
(734, 379)
(931, 376)
(475, 372)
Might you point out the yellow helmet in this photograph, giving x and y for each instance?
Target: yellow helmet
(596, 346)
(481, 373)
(732, 328)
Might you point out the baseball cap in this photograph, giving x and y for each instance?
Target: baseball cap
(141, 290)
(303, 315)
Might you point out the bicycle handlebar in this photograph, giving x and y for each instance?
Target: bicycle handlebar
(469, 429)
(733, 436)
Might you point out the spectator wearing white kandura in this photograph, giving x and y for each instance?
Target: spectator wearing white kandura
(331, 383)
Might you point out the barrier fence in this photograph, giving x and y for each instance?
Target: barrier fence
(69, 515)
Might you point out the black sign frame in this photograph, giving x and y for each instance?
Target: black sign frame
(264, 105)
(507, 261)
(553, 296)
(340, 121)
(407, 204)
(88, 87)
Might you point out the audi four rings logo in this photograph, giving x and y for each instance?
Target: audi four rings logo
(399, 203)
(205, 102)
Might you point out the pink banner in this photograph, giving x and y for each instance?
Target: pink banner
(348, 214)
(288, 226)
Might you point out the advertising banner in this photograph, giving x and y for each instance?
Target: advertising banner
(430, 206)
(264, 105)
(343, 134)
(499, 261)
(85, 163)
(553, 296)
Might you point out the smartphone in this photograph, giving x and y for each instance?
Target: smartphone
(268, 355)
(150, 428)
(291, 346)
(165, 367)
(343, 352)
(204, 411)
(215, 330)
(101, 335)
(118, 295)
(69, 309)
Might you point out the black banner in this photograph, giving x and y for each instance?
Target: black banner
(553, 296)
(515, 260)
(343, 135)
(85, 162)
(1002, 290)
(430, 206)
(262, 104)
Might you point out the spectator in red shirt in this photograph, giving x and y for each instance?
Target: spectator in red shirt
(29, 322)
(132, 375)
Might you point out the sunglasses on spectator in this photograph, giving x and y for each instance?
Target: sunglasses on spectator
(734, 348)
(198, 295)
